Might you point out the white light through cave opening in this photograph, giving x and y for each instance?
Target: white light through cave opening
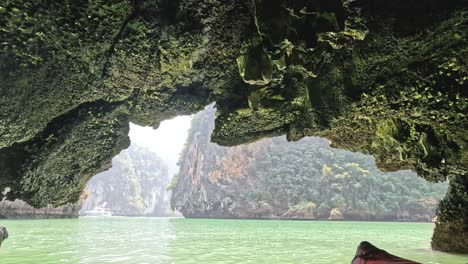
(167, 141)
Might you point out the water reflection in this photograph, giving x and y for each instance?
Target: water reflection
(184, 241)
(145, 240)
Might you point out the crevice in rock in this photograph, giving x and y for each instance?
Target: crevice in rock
(107, 58)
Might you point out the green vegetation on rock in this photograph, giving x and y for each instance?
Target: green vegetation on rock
(385, 78)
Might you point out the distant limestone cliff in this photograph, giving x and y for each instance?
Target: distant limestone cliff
(276, 179)
(134, 186)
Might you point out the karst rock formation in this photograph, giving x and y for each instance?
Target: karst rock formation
(381, 77)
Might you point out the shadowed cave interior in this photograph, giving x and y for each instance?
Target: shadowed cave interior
(377, 77)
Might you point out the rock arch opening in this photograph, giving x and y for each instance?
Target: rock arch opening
(137, 183)
(368, 77)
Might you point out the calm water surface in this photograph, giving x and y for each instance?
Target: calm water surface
(163, 240)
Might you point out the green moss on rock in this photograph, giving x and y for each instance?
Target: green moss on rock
(385, 77)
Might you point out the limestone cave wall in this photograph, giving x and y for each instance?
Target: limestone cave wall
(381, 77)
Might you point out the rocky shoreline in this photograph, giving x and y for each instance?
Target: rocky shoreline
(21, 210)
(274, 218)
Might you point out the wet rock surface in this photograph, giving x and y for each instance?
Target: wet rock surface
(3, 234)
(369, 254)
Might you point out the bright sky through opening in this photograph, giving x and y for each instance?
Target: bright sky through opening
(167, 141)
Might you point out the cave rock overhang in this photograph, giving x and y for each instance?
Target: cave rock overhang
(367, 76)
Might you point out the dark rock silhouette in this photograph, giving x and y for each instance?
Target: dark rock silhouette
(3, 234)
(369, 254)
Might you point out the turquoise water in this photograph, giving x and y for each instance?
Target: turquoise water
(164, 240)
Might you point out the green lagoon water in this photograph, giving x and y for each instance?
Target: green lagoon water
(165, 240)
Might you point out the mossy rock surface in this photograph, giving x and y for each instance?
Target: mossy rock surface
(380, 77)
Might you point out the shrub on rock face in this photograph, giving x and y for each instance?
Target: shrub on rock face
(335, 215)
(304, 210)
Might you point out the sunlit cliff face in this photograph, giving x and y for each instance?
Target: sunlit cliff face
(380, 77)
